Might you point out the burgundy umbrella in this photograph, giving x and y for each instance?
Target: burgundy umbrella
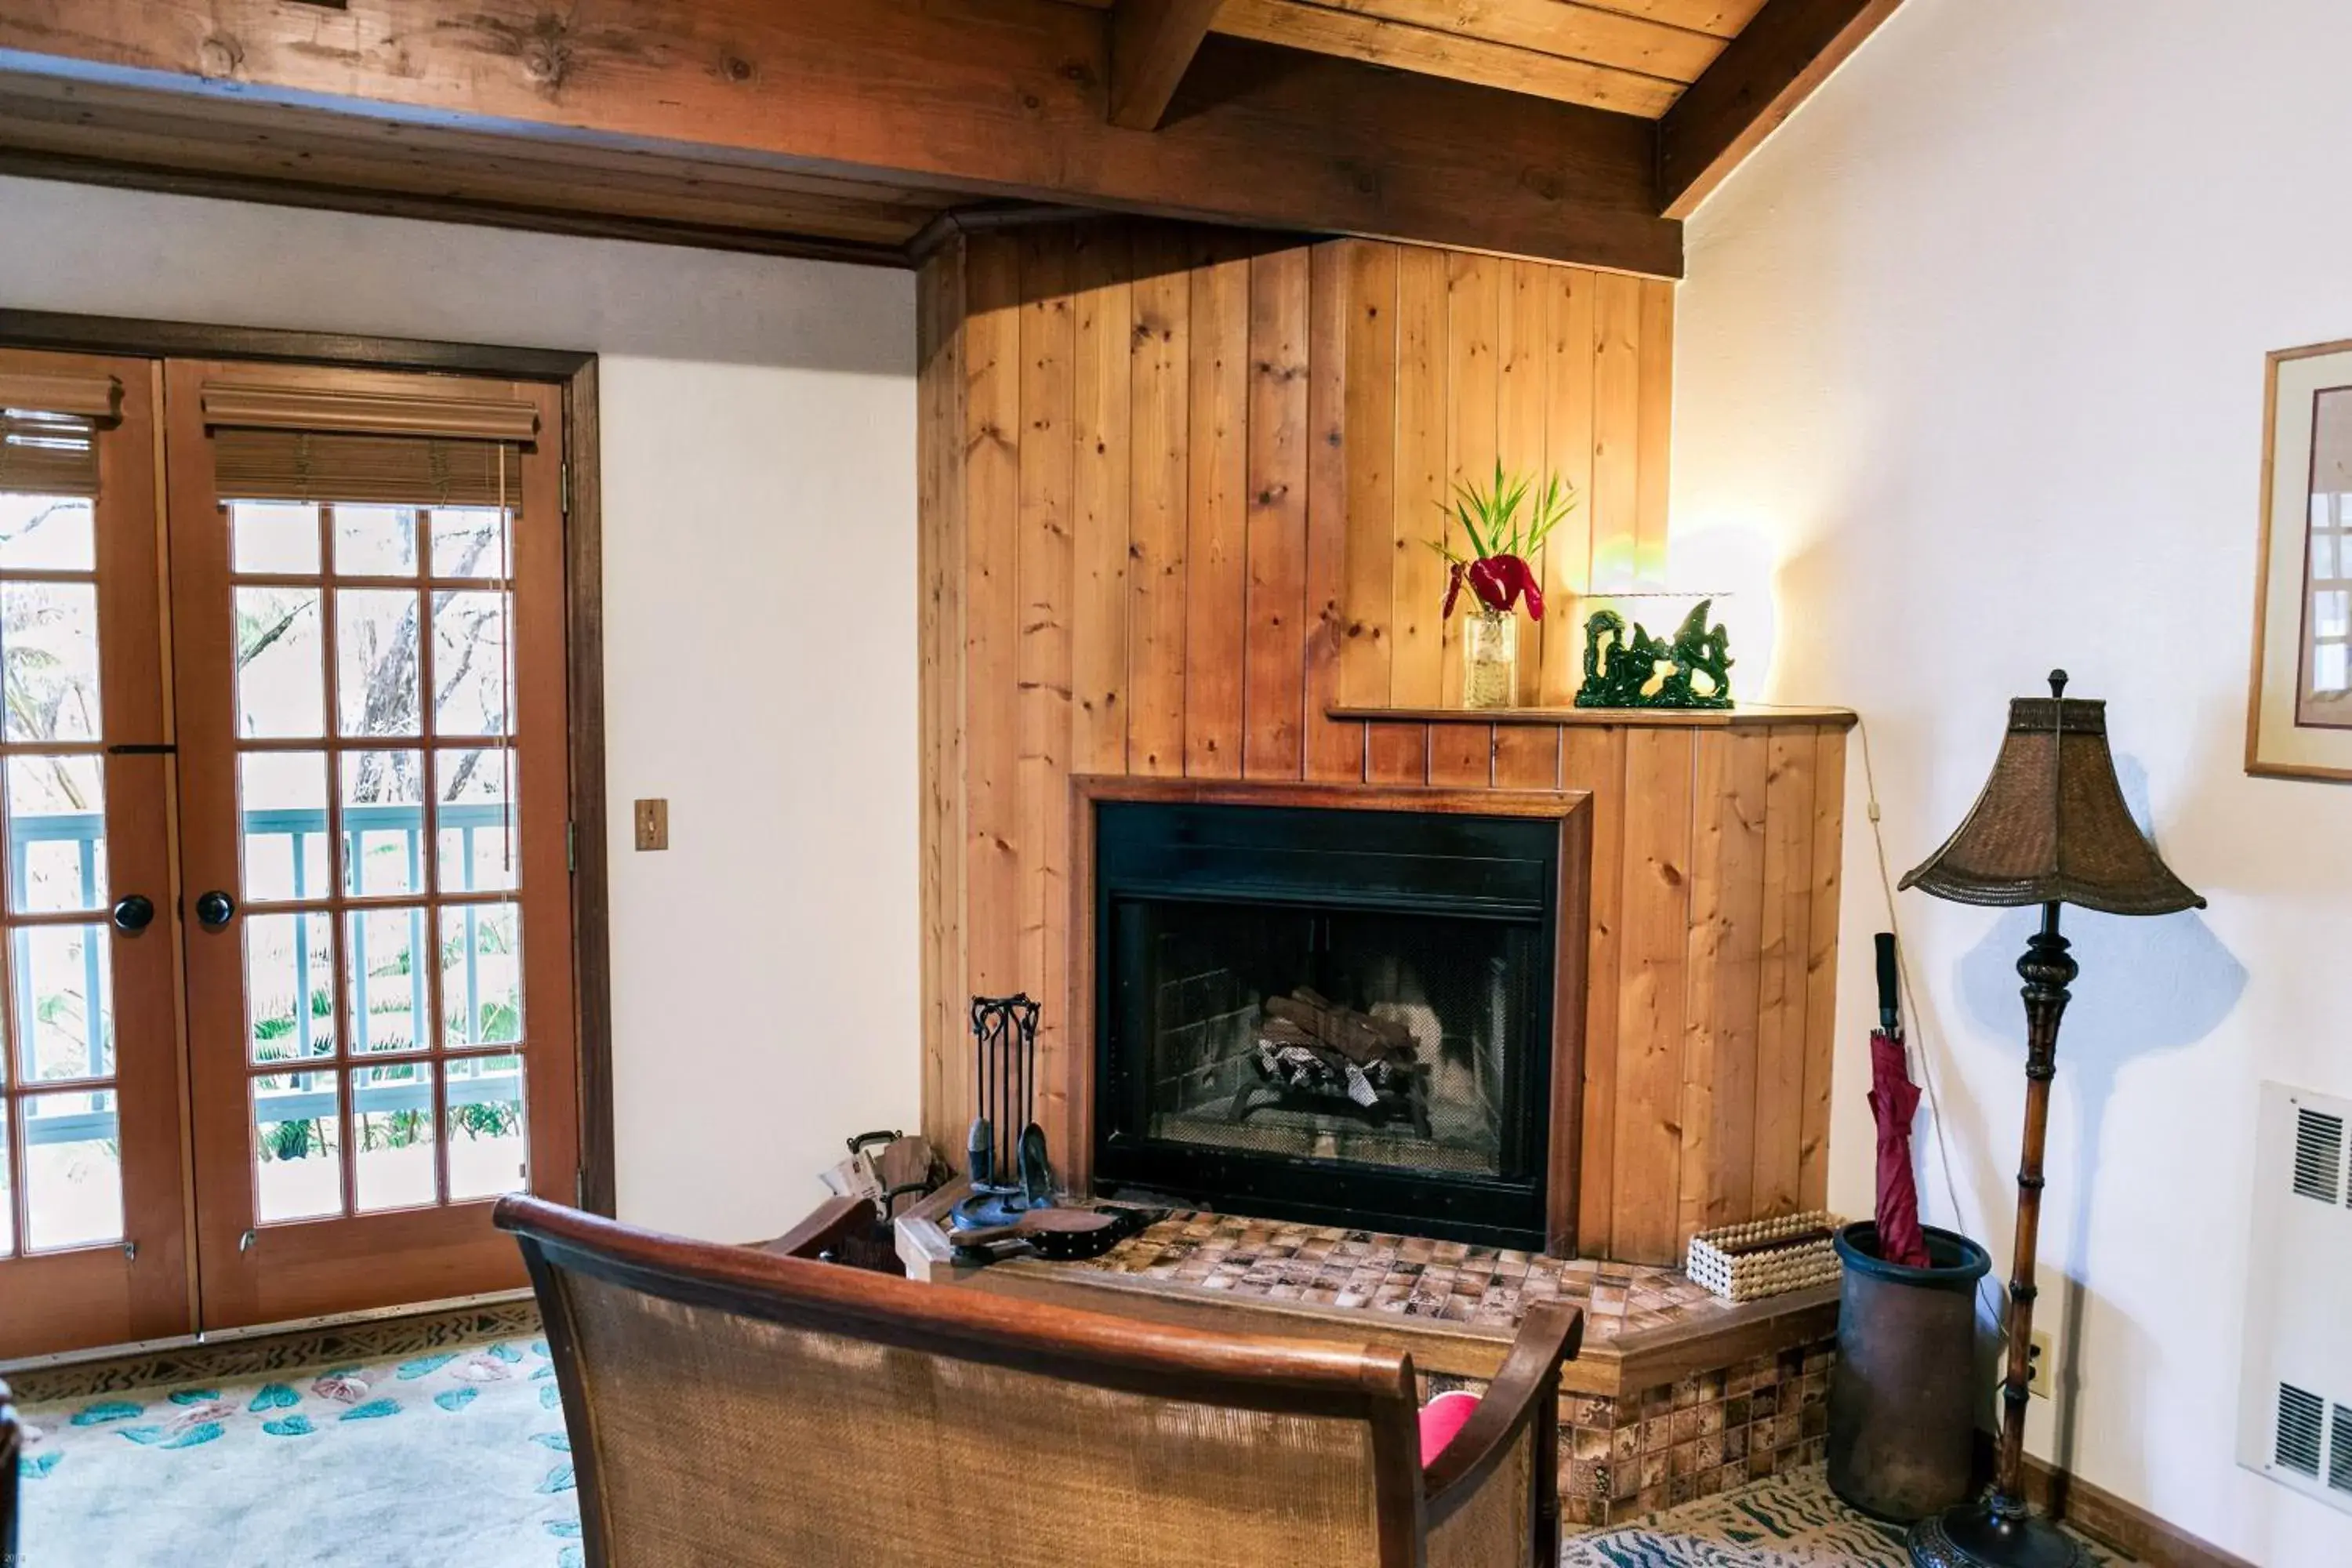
(1894, 1099)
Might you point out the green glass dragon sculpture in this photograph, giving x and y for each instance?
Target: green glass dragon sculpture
(1694, 670)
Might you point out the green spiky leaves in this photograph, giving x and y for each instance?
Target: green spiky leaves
(1505, 523)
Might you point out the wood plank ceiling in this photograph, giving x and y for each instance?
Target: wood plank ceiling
(1634, 57)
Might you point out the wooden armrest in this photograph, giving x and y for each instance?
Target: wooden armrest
(1551, 1334)
(824, 1227)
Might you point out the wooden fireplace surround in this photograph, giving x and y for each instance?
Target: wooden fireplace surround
(1176, 494)
(1570, 810)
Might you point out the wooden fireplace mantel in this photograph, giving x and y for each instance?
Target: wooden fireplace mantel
(1745, 716)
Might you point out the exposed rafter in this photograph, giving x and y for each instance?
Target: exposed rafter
(1152, 43)
(1778, 60)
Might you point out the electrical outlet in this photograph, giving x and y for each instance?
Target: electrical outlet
(653, 824)
(2041, 1364)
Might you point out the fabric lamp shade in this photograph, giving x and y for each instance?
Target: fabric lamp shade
(2051, 825)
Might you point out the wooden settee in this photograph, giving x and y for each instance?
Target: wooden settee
(729, 1405)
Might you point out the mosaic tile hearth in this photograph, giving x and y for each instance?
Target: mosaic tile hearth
(1620, 1458)
(1454, 1281)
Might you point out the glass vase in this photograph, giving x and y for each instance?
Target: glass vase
(1490, 660)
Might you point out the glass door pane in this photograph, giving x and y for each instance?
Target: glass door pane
(60, 996)
(379, 921)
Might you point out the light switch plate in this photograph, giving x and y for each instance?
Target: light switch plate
(653, 824)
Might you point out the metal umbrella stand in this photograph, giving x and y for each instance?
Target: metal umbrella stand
(1902, 1416)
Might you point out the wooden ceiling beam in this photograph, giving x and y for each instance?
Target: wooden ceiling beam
(296, 156)
(1152, 43)
(1774, 65)
(991, 99)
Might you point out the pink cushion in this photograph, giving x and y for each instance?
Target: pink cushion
(1441, 1419)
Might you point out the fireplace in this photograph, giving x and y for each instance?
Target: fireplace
(1347, 1008)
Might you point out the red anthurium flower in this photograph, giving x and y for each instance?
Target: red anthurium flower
(1488, 581)
(1453, 589)
(1522, 580)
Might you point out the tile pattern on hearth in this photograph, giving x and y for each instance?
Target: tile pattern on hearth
(1696, 1437)
(1454, 1281)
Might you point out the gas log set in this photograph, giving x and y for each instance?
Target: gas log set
(1314, 1053)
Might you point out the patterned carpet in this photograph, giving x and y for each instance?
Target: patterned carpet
(425, 1452)
(441, 1442)
(1791, 1521)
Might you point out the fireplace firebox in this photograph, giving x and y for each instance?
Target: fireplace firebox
(1341, 1015)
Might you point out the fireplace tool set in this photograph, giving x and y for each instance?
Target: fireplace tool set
(1012, 1177)
(1005, 1152)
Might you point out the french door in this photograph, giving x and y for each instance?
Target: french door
(93, 1239)
(310, 858)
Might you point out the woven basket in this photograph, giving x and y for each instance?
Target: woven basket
(1743, 1263)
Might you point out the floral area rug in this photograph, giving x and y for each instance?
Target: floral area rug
(1792, 1521)
(455, 1455)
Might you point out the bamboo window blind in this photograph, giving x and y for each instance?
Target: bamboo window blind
(394, 450)
(48, 431)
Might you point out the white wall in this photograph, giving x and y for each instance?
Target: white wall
(1973, 348)
(758, 467)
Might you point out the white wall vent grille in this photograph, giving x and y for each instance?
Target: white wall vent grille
(2298, 1429)
(2318, 1155)
(2294, 1386)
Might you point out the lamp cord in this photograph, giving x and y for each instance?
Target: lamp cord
(1912, 1009)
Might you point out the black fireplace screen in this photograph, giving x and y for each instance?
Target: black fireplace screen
(1334, 1015)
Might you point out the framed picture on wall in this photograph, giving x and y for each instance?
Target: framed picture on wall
(2299, 715)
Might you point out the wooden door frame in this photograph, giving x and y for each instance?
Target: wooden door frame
(575, 373)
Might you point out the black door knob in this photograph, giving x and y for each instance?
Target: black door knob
(214, 910)
(133, 913)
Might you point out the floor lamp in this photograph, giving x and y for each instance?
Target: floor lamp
(2051, 828)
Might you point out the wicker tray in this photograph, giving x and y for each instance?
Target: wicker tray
(1765, 1258)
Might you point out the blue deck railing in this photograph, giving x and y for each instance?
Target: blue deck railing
(366, 827)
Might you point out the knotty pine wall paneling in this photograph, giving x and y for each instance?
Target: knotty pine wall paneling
(1330, 752)
(1178, 487)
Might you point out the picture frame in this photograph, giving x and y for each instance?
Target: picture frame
(2299, 700)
